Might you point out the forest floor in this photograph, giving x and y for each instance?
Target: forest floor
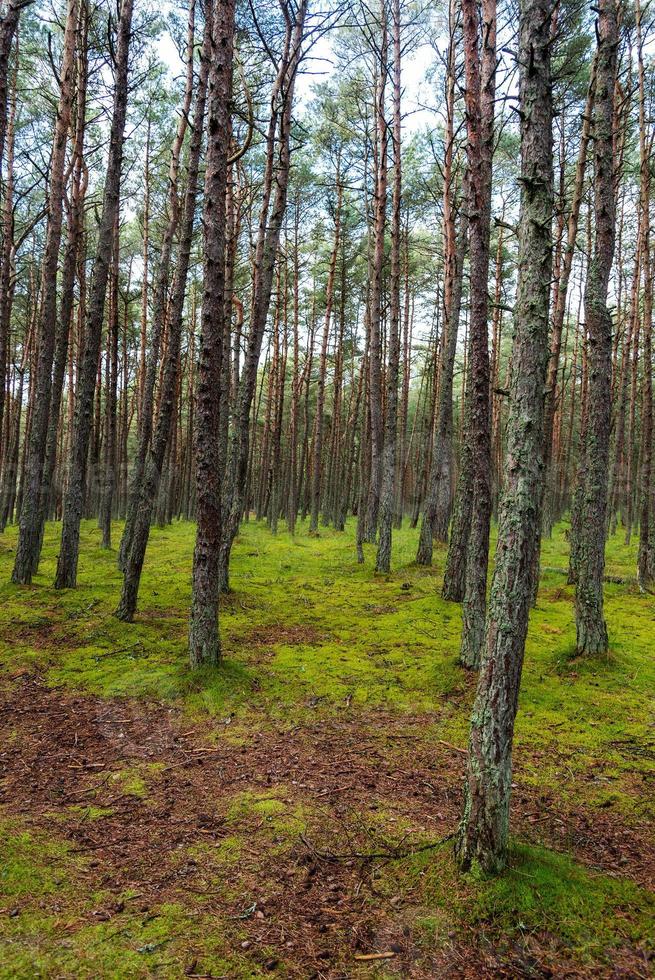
(282, 815)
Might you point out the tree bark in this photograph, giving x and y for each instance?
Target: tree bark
(387, 494)
(480, 57)
(75, 220)
(270, 224)
(645, 569)
(160, 303)
(204, 638)
(590, 622)
(152, 477)
(322, 369)
(29, 536)
(111, 402)
(7, 277)
(483, 834)
(436, 512)
(66, 576)
(376, 439)
(561, 293)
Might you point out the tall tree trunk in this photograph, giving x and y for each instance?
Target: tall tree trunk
(204, 638)
(437, 503)
(8, 26)
(29, 537)
(296, 379)
(322, 368)
(111, 401)
(480, 56)
(590, 621)
(143, 336)
(66, 576)
(7, 277)
(483, 835)
(387, 495)
(644, 560)
(561, 293)
(376, 440)
(75, 219)
(455, 571)
(436, 514)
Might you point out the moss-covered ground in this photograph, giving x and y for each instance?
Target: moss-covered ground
(334, 730)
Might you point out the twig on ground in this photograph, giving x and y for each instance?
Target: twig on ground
(391, 854)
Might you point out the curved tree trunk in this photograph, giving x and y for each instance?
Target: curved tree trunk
(160, 303)
(270, 226)
(152, 478)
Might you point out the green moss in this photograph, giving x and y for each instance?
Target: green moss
(588, 913)
(54, 928)
(277, 817)
(29, 866)
(223, 854)
(135, 780)
(158, 944)
(91, 812)
(543, 892)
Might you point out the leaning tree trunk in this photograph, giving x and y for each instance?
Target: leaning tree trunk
(29, 536)
(160, 302)
(590, 621)
(480, 89)
(204, 638)
(270, 226)
(483, 835)
(150, 484)
(66, 576)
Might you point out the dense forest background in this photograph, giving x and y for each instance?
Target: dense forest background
(310, 402)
